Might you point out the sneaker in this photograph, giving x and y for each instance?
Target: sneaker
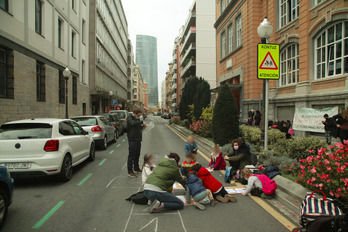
(212, 203)
(265, 196)
(132, 174)
(222, 199)
(154, 206)
(139, 171)
(199, 206)
(231, 199)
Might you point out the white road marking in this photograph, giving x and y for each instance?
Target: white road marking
(153, 220)
(124, 165)
(130, 215)
(182, 222)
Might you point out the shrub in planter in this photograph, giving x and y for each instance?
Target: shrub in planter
(269, 158)
(299, 148)
(327, 170)
(202, 128)
(250, 134)
(185, 123)
(274, 135)
(176, 120)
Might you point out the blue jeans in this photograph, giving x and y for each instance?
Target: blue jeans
(169, 200)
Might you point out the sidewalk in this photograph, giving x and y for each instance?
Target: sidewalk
(288, 196)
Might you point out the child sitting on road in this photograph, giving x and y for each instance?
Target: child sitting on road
(217, 161)
(187, 165)
(190, 145)
(209, 182)
(259, 185)
(198, 192)
(148, 167)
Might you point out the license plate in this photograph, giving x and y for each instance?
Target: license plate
(16, 165)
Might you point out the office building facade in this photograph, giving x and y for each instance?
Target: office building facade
(38, 39)
(146, 59)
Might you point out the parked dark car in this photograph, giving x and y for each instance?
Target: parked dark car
(115, 122)
(6, 193)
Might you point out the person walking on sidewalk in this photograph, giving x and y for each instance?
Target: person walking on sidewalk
(330, 128)
(135, 135)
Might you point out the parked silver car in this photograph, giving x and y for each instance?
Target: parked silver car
(99, 128)
(123, 115)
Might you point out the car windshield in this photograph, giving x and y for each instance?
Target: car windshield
(85, 121)
(121, 114)
(25, 131)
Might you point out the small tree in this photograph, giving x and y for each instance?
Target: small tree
(187, 97)
(225, 126)
(201, 98)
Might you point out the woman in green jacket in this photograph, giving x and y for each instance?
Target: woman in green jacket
(157, 184)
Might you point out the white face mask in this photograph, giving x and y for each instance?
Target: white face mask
(236, 147)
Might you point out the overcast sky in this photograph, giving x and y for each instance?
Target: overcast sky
(159, 18)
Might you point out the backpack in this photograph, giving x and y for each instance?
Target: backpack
(138, 198)
(313, 208)
(228, 176)
(268, 186)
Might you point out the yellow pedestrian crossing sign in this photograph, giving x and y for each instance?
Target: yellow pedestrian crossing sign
(268, 61)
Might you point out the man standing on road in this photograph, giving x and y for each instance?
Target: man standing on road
(135, 135)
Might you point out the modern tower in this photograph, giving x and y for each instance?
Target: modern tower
(146, 59)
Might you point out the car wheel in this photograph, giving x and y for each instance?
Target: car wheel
(92, 153)
(4, 203)
(66, 171)
(116, 136)
(105, 143)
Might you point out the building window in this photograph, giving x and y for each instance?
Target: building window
(60, 33)
(223, 45)
(289, 65)
(61, 87)
(6, 73)
(230, 38)
(222, 5)
(38, 16)
(40, 82)
(83, 31)
(73, 5)
(288, 11)
(331, 56)
(4, 5)
(73, 45)
(74, 90)
(83, 75)
(316, 2)
(238, 31)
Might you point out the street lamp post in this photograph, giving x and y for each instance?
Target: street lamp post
(66, 74)
(111, 94)
(265, 31)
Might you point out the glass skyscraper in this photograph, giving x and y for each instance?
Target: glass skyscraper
(146, 59)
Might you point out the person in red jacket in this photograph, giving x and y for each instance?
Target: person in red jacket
(217, 161)
(209, 182)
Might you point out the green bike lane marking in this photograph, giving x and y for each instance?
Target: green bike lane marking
(112, 151)
(123, 140)
(118, 145)
(101, 163)
(48, 215)
(84, 179)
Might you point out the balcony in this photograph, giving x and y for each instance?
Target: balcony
(189, 39)
(190, 51)
(190, 69)
(191, 21)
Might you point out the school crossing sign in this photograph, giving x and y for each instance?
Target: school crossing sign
(268, 61)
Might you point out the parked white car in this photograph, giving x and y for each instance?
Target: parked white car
(44, 147)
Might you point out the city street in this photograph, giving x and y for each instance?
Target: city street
(94, 200)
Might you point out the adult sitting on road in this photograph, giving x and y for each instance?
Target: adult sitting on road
(158, 183)
(239, 157)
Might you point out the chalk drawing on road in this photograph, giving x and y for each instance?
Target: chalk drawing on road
(153, 220)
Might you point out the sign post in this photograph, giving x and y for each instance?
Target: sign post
(267, 69)
(114, 102)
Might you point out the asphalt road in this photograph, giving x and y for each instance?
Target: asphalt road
(94, 200)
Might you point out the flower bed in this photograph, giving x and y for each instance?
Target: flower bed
(202, 128)
(326, 171)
